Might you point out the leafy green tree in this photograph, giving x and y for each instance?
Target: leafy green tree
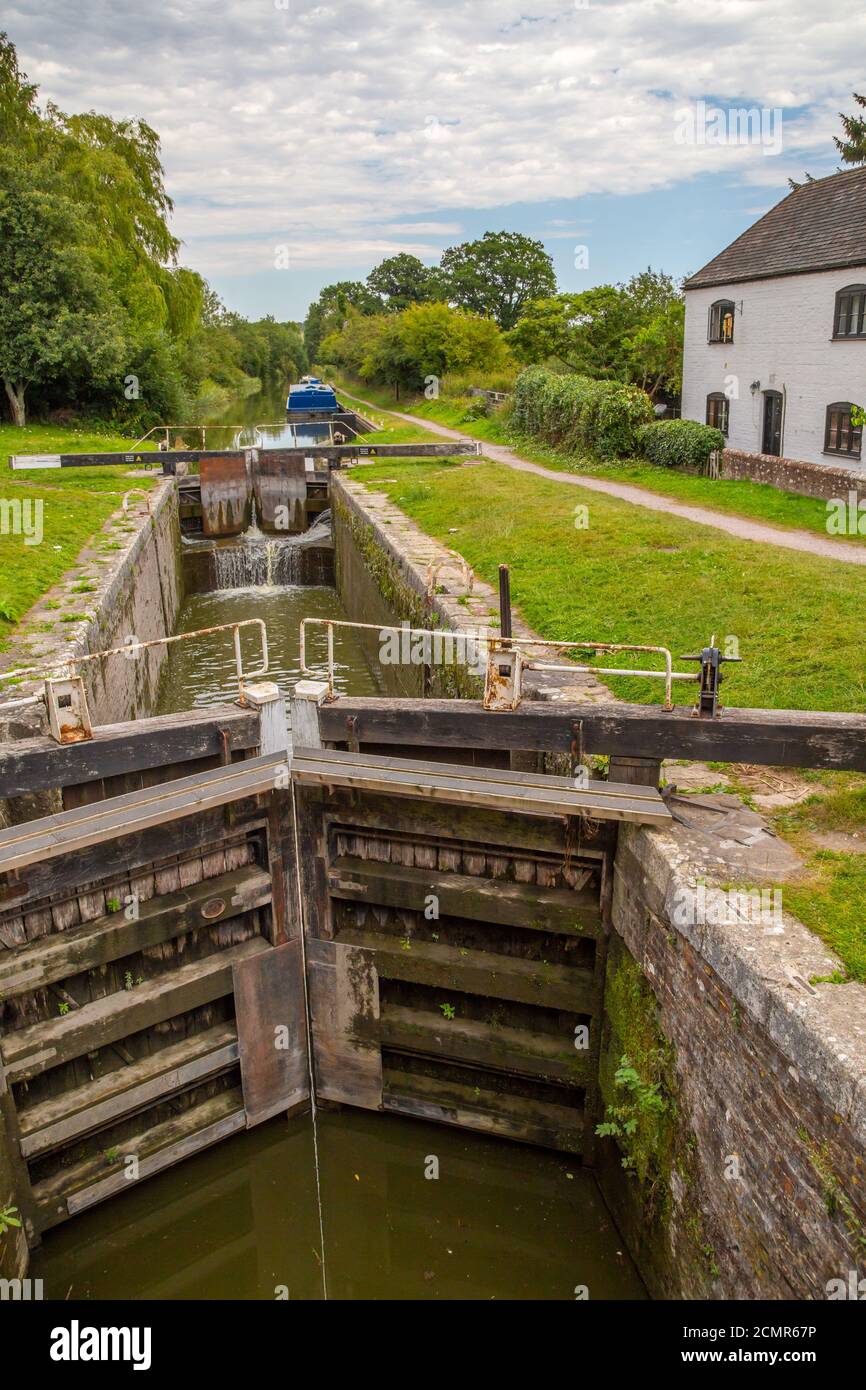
(19, 114)
(631, 332)
(655, 350)
(422, 342)
(400, 281)
(655, 346)
(331, 310)
(497, 275)
(649, 291)
(585, 332)
(853, 147)
(351, 346)
(58, 317)
(113, 169)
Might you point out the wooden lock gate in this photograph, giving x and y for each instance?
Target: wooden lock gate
(434, 917)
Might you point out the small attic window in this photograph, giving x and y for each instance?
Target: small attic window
(721, 324)
(850, 317)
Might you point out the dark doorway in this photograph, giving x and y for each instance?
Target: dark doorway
(772, 437)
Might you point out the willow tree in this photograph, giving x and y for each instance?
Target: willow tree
(87, 260)
(58, 315)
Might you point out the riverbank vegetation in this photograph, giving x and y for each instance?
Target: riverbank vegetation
(628, 333)
(98, 321)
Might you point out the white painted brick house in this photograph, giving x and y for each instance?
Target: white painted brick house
(775, 337)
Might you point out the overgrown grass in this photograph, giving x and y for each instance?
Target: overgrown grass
(644, 577)
(757, 501)
(69, 519)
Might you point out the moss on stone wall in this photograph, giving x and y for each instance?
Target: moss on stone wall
(643, 1111)
(658, 1204)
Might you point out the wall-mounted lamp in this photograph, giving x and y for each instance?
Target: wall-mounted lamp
(755, 387)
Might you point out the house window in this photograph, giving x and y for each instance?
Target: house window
(717, 411)
(850, 317)
(721, 326)
(840, 435)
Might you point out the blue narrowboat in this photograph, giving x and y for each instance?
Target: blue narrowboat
(311, 394)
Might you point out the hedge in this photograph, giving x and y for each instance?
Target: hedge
(680, 443)
(579, 413)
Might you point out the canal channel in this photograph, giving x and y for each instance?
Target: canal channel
(341, 1204)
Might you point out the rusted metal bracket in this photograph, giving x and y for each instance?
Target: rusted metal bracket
(68, 715)
(503, 682)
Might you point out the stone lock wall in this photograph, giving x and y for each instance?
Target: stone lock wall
(756, 1186)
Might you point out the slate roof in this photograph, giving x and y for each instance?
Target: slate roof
(819, 226)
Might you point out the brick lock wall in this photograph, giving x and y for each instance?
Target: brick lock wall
(777, 1098)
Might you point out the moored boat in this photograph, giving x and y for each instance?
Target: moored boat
(311, 394)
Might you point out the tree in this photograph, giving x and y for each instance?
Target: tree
(436, 340)
(57, 314)
(91, 296)
(331, 310)
(400, 281)
(586, 332)
(352, 344)
(654, 347)
(655, 350)
(425, 340)
(630, 332)
(498, 275)
(853, 147)
(19, 114)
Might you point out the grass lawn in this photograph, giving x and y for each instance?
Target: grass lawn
(643, 577)
(76, 502)
(756, 501)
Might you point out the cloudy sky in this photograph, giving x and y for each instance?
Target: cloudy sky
(304, 142)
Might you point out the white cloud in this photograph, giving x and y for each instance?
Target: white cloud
(314, 125)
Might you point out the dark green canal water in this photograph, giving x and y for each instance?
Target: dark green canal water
(241, 1221)
(253, 1218)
